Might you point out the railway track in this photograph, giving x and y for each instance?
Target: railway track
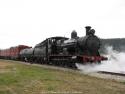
(112, 73)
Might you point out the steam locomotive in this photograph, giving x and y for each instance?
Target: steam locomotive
(62, 51)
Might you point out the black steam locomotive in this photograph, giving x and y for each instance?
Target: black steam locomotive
(62, 51)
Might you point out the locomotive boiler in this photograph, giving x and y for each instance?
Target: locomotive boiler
(62, 51)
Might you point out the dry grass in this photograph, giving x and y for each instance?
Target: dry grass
(4, 64)
(4, 67)
(28, 79)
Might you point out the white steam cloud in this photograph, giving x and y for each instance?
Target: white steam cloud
(115, 63)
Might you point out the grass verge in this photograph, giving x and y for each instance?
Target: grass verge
(16, 78)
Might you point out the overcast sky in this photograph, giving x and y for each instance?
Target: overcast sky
(31, 21)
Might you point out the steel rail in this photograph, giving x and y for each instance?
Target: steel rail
(112, 73)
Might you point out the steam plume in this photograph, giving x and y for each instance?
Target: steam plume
(115, 63)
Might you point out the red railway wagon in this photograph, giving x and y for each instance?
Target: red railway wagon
(13, 52)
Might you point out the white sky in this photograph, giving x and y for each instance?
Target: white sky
(31, 21)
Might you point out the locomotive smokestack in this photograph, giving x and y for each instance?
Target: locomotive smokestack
(87, 29)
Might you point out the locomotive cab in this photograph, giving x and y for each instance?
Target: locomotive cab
(55, 44)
